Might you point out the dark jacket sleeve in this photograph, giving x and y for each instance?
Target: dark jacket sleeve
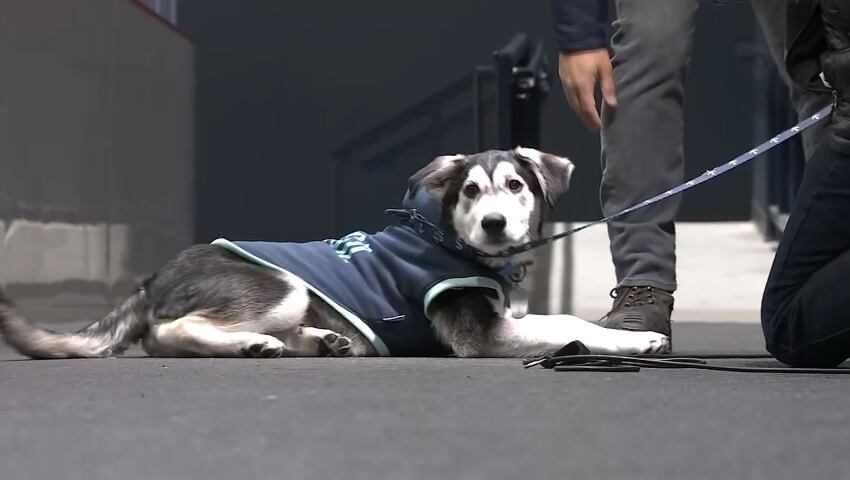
(580, 24)
(805, 43)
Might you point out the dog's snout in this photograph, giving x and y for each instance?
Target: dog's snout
(493, 223)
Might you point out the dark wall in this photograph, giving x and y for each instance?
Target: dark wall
(96, 152)
(282, 86)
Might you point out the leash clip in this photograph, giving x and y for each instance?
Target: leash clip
(517, 296)
(518, 273)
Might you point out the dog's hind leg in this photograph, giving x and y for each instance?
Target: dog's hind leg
(315, 342)
(197, 336)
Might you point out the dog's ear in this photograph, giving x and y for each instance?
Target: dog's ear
(552, 172)
(435, 176)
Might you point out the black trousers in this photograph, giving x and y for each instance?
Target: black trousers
(806, 305)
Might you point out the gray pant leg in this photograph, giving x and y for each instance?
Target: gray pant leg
(771, 17)
(642, 151)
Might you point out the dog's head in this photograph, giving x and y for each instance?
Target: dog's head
(495, 199)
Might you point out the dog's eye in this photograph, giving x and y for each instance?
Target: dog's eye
(471, 190)
(515, 185)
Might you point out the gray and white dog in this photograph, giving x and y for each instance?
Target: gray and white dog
(212, 302)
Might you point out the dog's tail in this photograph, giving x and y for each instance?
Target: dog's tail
(108, 336)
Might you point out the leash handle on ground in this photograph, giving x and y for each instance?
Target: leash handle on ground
(426, 228)
(605, 363)
(575, 357)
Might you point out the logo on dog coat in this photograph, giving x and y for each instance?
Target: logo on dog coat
(349, 245)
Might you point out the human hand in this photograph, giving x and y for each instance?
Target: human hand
(580, 72)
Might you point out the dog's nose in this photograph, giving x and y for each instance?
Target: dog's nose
(493, 223)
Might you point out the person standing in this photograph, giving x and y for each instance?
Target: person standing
(642, 131)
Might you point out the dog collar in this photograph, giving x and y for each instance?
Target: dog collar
(433, 232)
(427, 229)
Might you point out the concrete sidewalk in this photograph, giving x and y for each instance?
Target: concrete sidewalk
(722, 269)
(142, 418)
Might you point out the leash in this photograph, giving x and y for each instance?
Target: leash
(439, 236)
(575, 357)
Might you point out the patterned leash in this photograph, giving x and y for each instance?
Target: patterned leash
(425, 227)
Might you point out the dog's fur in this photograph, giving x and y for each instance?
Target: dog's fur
(208, 302)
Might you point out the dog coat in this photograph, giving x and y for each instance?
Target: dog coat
(382, 283)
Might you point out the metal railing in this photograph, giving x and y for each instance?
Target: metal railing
(521, 79)
(498, 103)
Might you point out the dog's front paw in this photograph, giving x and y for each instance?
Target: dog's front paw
(623, 342)
(271, 348)
(647, 342)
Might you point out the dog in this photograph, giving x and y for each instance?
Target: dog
(395, 292)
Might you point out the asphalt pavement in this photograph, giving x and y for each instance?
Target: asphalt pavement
(144, 418)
